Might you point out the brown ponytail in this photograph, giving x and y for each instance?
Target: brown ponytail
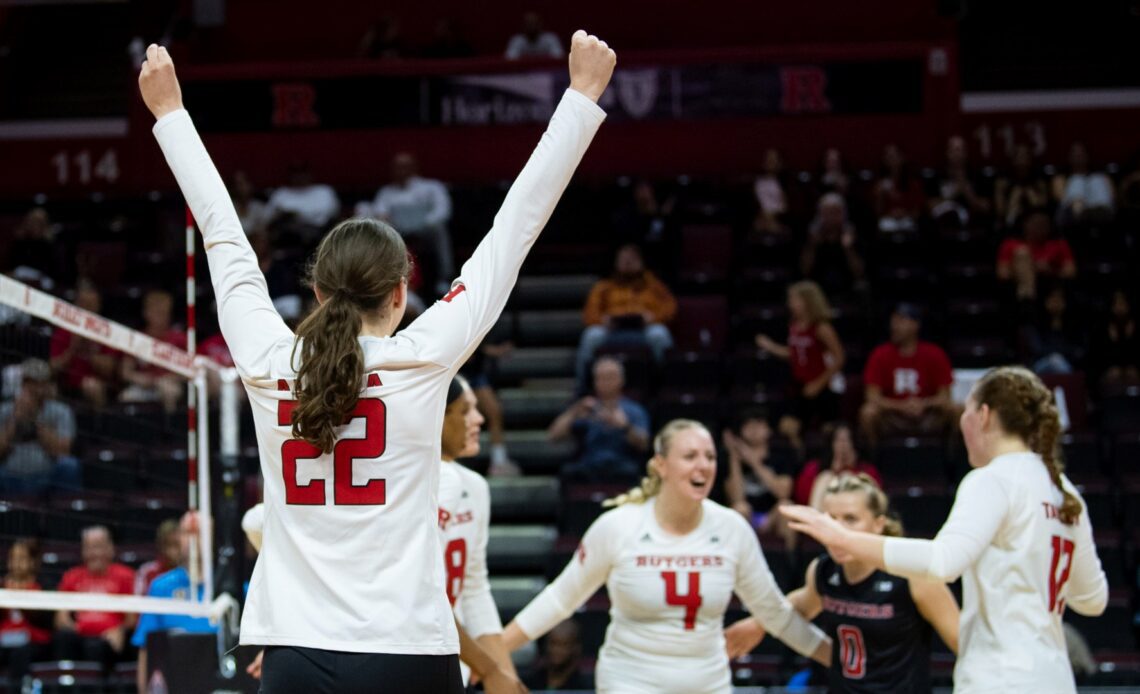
(1025, 408)
(877, 501)
(356, 267)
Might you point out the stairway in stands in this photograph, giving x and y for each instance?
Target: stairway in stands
(535, 383)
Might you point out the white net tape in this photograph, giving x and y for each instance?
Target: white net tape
(222, 610)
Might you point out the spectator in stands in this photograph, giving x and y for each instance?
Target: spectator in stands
(954, 197)
(281, 279)
(384, 39)
(559, 668)
(32, 253)
(91, 635)
(1023, 190)
(448, 41)
(898, 195)
(1083, 196)
(168, 543)
(252, 212)
(147, 382)
(84, 368)
(631, 307)
(174, 583)
(831, 255)
(816, 356)
(840, 457)
(1128, 194)
(477, 372)
(25, 635)
(1026, 260)
(1118, 344)
(907, 383)
(613, 430)
(771, 196)
(647, 220)
(1052, 339)
(533, 42)
(302, 209)
(833, 177)
(420, 209)
(36, 436)
(758, 479)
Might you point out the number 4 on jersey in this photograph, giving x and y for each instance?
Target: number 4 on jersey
(691, 600)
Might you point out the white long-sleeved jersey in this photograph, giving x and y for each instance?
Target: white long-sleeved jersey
(464, 524)
(1020, 567)
(351, 558)
(669, 594)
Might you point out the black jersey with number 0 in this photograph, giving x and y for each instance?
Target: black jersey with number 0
(882, 643)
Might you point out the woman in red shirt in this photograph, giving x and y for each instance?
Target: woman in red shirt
(24, 635)
(841, 457)
(815, 355)
(1024, 260)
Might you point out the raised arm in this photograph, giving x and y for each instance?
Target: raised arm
(758, 591)
(581, 578)
(747, 633)
(448, 332)
(979, 509)
(249, 322)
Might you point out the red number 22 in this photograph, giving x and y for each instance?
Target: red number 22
(345, 493)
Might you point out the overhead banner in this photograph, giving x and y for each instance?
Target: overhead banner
(645, 93)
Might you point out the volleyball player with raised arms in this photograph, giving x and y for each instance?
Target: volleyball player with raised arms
(348, 593)
(671, 560)
(1018, 535)
(465, 524)
(880, 624)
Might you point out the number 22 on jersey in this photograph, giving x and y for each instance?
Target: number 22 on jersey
(345, 493)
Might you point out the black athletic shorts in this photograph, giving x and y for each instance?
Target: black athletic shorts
(289, 669)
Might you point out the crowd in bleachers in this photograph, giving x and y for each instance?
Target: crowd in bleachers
(817, 319)
(110, 641)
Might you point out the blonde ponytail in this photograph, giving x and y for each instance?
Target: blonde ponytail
(650, 485)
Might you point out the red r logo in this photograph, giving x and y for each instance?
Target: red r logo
(803, 90)
(293, 106)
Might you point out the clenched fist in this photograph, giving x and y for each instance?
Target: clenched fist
(591, 64)
(158, 83)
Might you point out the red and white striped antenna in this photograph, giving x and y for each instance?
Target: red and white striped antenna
(191, 393)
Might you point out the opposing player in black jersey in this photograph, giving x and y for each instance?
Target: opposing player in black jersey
(880, 623)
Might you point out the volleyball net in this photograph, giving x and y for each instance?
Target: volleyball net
(107, 428)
